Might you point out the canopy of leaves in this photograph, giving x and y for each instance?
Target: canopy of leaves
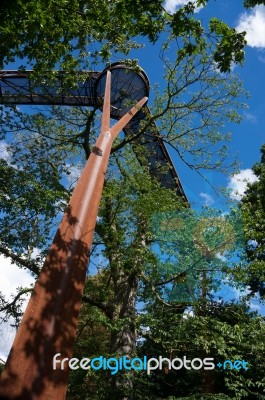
(225, 331)
(72, 34)
(253, 3)
(44, 33)
(253, 210)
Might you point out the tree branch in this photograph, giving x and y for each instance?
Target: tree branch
(30, 265)
(180, 306)
(107, 308)
(12, 304)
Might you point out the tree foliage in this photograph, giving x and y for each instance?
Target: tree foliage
(44, 33)
(224, 331)
(253, 3)
(71, 34)
(253, 211)
(195, 107)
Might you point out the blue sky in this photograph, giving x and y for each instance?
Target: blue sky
(247, 137)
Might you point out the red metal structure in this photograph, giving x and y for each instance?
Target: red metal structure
(49, 323)
(50, 320)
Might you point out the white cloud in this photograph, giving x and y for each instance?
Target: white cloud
(255, 307)
(238, 293)
(215, 67)
(4, 151)
(11, 278)
(261, 58)
(238, 183)
(172, 5)
(221, 257)
(251, 118)
(228, 292)
(253, 23)
(188, 313)
(252, 243)
(3, 359)
(73, 174)
(208, 199)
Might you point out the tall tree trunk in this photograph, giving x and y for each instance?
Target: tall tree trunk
(125, 269)
(123, 341)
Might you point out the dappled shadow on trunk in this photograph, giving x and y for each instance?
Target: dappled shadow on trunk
(50, 320)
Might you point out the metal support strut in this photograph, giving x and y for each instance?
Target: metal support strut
(50, 321)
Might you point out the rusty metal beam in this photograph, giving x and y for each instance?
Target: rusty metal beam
(49, 323)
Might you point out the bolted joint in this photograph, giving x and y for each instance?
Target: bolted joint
(96, 150)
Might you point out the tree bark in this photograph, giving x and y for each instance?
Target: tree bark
(123, 340)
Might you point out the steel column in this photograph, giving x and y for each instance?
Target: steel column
(50, 320)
